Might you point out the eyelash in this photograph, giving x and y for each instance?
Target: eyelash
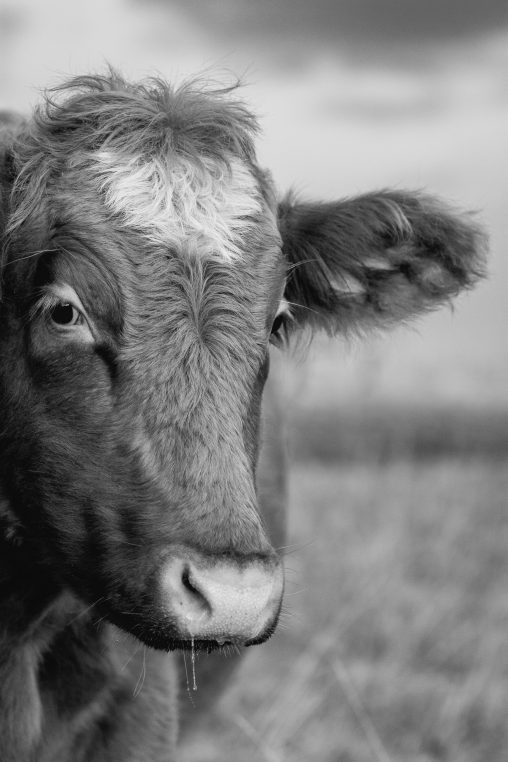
(49, 304)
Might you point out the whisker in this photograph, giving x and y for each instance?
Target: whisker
(85, 611)
(296, 592)
(286, 550)
(142, 675)
(303, 307)
(300, 263)
(133, 654)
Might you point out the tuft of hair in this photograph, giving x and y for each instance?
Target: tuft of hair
(109, 128)
(376, 260)
(101, 111)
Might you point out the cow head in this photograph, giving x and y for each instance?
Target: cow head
(146, 269)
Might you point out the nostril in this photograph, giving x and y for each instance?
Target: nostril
(188, 601)
(186, 579)
(194, 594)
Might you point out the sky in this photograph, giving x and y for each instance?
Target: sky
(341, 22)
(352, 95)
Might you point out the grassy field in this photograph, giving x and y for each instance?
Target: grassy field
(394, 641)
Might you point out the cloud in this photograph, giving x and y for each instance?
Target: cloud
(348, 22)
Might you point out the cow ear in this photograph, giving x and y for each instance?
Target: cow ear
(377, 259)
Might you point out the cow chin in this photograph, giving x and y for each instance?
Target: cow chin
(205, 602)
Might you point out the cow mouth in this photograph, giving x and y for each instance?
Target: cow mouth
(201, 604)
(162, 634)
(224, 642)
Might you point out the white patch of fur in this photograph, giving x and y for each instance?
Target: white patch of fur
(198, 206)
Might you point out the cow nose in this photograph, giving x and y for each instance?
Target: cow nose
(222, 600)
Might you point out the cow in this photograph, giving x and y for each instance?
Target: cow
(148, 269)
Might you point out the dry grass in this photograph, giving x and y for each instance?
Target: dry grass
(396, 649)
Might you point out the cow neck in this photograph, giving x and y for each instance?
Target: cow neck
(32, 604)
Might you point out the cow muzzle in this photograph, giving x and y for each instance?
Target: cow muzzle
(221, 600)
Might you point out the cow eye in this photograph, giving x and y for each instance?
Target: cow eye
(65, 314)
(277, 324)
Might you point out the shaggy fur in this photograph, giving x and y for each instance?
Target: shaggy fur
(131, 438)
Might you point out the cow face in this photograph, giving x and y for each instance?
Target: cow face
(147, 268)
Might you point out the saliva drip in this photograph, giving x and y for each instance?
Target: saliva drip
(193, 662)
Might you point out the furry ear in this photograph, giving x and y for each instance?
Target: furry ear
(376, 260)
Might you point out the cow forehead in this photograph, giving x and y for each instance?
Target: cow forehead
(201, 205)
(176, 166)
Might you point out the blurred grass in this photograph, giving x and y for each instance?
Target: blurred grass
(394, 640)
(384, 432)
